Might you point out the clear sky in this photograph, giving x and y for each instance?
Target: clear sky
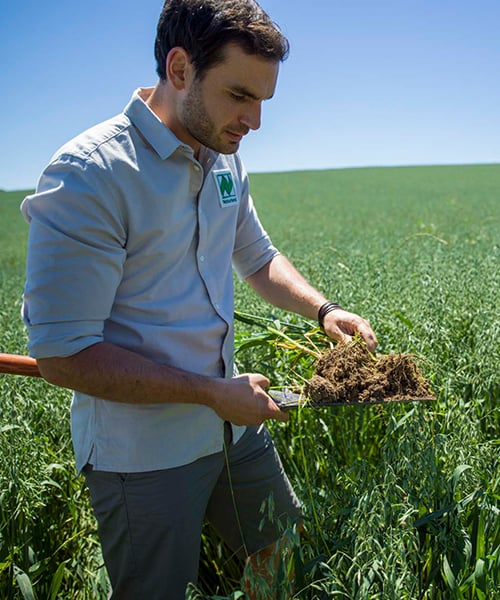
(367, 83)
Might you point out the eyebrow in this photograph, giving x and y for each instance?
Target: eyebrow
(244, 92)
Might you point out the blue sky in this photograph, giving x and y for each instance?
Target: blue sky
(368, 83)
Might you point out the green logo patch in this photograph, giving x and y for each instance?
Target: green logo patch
(226, 188)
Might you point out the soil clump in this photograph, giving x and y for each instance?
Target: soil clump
(350, 373)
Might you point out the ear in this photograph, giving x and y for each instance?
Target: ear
(178, 67)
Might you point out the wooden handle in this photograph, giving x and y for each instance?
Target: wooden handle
(15, 364)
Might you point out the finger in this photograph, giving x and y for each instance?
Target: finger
(346, 338)
(336, 333)
(368, 336)
(371, 342)
(362, 328)
(261, 381)
(276, 413)
(281, 415)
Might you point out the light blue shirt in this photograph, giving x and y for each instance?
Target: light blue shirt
(132, 242)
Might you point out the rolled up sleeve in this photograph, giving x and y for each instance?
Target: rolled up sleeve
(75, 257)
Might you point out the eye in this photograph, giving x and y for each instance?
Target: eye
(237, 97)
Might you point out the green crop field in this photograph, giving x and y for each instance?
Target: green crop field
(401, 501)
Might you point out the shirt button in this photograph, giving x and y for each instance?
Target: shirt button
(202, 258)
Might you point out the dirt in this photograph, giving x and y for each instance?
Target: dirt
(350, 373)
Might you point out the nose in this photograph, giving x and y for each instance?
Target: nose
(252, 116)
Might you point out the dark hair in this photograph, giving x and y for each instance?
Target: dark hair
(204, 27)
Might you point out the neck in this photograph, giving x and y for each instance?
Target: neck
(163, 102)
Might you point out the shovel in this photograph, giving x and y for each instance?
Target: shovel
(15, 364)
(286, 400)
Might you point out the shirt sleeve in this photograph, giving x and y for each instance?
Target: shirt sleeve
(253, 247)
(75, 257)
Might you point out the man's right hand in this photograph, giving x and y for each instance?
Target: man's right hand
(243, 400)
(107, 371)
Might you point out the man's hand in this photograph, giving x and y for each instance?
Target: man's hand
(243, 400)
(281, 284)
(341, 325)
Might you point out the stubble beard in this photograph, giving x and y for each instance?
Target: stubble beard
(197, 121)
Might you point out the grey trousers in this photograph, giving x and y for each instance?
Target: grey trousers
(150, 523)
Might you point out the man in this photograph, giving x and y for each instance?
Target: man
(135, 226)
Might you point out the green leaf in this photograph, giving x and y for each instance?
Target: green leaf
(403, 319)
(24, 583)
(448, 574)
(9, 427)
(57, 580)
(456, 474)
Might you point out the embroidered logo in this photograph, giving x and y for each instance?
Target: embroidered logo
(226, 188)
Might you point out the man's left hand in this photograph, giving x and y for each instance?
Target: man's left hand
(341, 325)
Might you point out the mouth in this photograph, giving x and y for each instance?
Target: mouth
(236, 137)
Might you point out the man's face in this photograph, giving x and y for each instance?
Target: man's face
(221, 108)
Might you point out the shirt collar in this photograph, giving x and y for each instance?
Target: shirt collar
(156, 133)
